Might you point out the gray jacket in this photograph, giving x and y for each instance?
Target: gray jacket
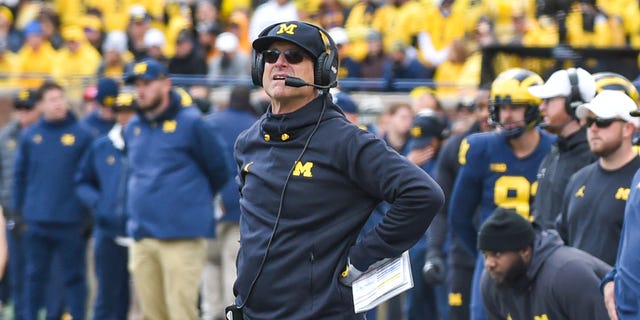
(9, 135)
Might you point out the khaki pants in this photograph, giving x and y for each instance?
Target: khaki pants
(220, 271)
(166, 275)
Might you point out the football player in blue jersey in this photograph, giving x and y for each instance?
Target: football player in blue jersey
(498, 169)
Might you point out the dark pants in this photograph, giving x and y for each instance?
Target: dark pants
(477, 307)
(16, 279)
(41, 243)
(112, 296)
(424, 301)
(459, 279)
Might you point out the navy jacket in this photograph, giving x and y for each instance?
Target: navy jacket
(230, 123)
(561, 283)
(176, 165)
(101, 184)
(340, 178)
(626, 273)
(47, 158)
(566, 157)
(99, 127)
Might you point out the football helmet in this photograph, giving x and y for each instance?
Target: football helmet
(511, 88)
(614, 81)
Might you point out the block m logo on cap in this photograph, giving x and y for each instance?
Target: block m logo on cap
(287, 28)
(140, 68)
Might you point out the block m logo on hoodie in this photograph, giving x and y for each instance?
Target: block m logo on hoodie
(68, 139)
(304, 170)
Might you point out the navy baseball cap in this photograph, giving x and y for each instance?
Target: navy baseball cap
(25, 99)
(147, 69)
(425, 127)
(345, 102)
(297, 32)
(107, 91)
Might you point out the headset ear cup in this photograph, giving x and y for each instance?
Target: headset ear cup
(331, 67)
(319, 76)
(257, 69)
(574, 99)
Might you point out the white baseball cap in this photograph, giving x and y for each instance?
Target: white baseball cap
(154, 38)
(610, 104)
(227, 42)
(559, 85)
(116, 41)
(339, 35)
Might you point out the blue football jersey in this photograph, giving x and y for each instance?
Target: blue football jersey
(491, 175)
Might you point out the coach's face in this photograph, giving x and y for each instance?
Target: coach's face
(284, 59)
(607, 136)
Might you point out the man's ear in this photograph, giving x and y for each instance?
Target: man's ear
(526, 253)
(629, 130)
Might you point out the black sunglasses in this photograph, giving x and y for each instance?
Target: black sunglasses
(292, 56)
(601, 123)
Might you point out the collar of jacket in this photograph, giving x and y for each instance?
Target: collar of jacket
(60, 123)
(284, 127)
(169, 113)
(568, 143)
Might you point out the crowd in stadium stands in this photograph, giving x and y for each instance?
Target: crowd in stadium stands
(398, 39)
(63, 50)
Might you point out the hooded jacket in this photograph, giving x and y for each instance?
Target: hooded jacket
(561, 282)
(325, 199)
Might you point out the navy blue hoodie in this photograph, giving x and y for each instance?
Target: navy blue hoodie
(561, 283)
(343, 174)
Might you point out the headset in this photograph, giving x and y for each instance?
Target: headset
(326, 71)
(325, 66)
(574, 99)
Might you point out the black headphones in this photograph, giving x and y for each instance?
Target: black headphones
(574, 99)
(325, 67)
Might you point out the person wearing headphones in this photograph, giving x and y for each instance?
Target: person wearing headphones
(561, 94)
(308, 181)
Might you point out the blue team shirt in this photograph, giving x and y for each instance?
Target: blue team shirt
(490, 176)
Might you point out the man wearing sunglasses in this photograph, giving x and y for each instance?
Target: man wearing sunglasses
(594, 200)
(308, 180)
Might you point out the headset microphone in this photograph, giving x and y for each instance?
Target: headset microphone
(297, 83)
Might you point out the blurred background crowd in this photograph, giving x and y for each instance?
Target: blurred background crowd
(381, 43)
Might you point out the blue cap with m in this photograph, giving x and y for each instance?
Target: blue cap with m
(147, 69)
(427, 126)
(107, 91)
